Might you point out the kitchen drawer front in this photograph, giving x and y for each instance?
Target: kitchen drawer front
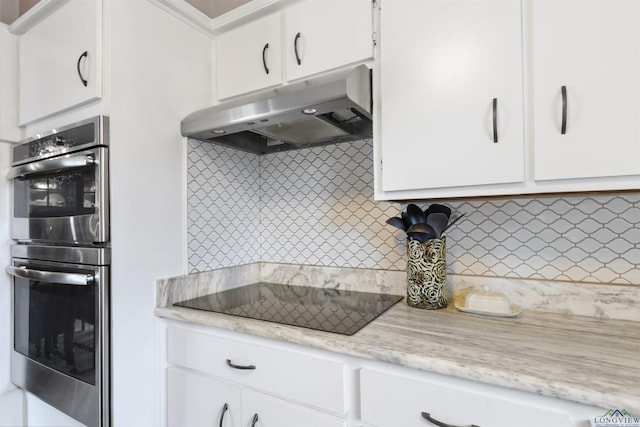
(298, 376)
(392, 400)
(273, 412)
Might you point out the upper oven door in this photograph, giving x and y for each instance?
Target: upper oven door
(63, 199)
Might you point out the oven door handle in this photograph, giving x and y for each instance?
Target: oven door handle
(52, 165)
(77, 279)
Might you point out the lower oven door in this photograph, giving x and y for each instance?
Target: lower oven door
(60, 336)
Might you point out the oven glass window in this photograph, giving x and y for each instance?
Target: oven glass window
(55, 325)
(69, 193)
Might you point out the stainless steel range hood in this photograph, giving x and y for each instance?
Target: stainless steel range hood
(321, 111)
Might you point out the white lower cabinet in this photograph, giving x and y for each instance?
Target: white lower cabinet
(260, 410)
(197, 400)
(307, 379)
(215, 380)
(400, 400)
(221, 378)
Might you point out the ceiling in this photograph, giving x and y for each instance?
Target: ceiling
(214, 8)
(10, 10)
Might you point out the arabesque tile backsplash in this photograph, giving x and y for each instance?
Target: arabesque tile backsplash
(316, 207)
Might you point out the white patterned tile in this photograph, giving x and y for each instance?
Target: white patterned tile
(588, 206)
(560, 207)
(549, 271)
(575, 235)
(604, 255)
(576, 254)
(221, 184)
(523, 217)
(316, 207)
(524, 235)
(605, 275)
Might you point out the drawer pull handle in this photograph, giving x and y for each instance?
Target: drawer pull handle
(295, 49)
(225, 408)
(495, 120)
(433, 421)
(264, 58)
(563, 130)
(234, 366)
(254, 421)
(84, 54)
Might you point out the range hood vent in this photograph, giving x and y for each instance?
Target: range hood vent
(311, 113)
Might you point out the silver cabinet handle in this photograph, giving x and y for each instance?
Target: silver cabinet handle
(254, 421)
(563, 90)
(52, 165)
(77, 279)
(225, 408)
(433, 421)
(244, 367)
(495, 120)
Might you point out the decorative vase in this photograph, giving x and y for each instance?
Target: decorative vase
(426, 274)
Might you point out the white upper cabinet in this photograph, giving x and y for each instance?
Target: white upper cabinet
(9, 130)
(60, 61)
(450, 81)
(590, 48)
(299, 40)
(249, 57)
(325, 34)
(451, 106)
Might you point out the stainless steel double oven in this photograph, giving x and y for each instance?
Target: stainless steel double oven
(60, 267)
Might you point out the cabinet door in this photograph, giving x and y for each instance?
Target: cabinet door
(390, 400)
(442, 63)
(196, 400)
(9, 130)
(270, 412)
(249, 57)
(60, 61)
(322, 35)
(590, 47)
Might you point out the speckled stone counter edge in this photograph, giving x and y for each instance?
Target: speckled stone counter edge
(583, 299)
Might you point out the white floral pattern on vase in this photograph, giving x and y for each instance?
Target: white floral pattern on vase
(427, 274)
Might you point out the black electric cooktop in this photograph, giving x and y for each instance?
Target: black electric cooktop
(330, 310)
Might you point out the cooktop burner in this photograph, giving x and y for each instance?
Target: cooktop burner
(330, 310)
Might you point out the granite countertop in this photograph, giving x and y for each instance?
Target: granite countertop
(578, 358)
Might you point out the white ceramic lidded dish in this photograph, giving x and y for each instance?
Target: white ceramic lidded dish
(489, 303)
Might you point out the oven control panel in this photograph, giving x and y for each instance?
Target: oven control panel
(61, 141)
